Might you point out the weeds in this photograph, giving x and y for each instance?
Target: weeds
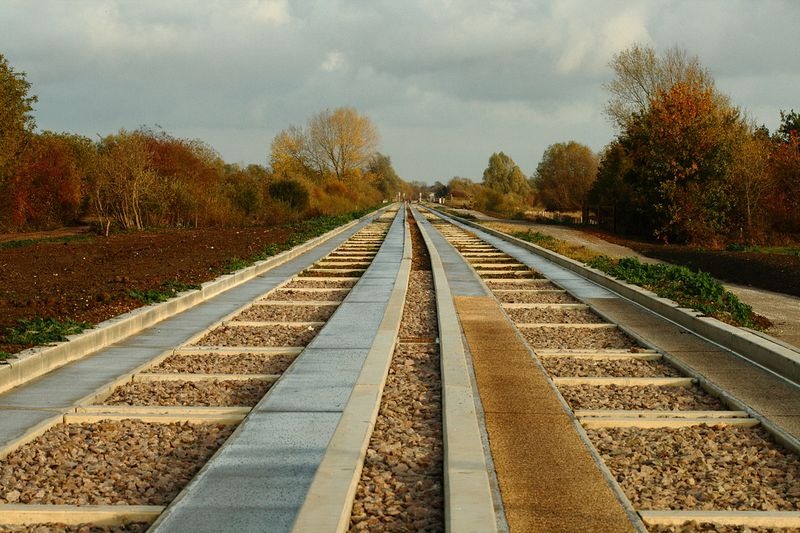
(36, 331)
(169, 289)
(21, 243)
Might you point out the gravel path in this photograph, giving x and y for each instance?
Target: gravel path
(633, 398)
(701, 468)
(259, 336)
(290, 295)
(134, 527)
(223, 393)
(554, 316)
(401, 486)
(552, 338)
(300, 283)
(108, 462)
(571, 366)
(527, 297)
(214, 363)
(288, 313)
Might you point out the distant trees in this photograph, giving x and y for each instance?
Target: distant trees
(565, 175)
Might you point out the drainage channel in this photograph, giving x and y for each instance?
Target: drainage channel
(685, 460)
(124, 452)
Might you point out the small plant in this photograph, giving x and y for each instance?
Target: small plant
(169, 289)
(43, 330)
(5, 355)
(233, 265)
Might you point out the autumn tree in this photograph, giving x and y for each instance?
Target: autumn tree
(784, 164)
(386, 179)
(641, 74)
(611, 193)
(504, 176)
(682, 149)
(564, 176)
(16, 123)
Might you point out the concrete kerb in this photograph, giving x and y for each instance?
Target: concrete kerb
(756, 348)
(469, 505)
(329, 500)
(37, 361)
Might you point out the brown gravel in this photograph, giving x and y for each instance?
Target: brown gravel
(701, 468)
(644, 397)
(214, 363)
(527, 297)
(223, 393)
(108, 462)
(259, 336)
(300, 283)
(536, 284)
(515, 274)
(350, 264)
(289, 313)
(419, 313)
(577, 338)
(572, 366)
(323, 273)
(290, 295)
(401, 486)
(554, 316)
(133, 527)
(691, 527)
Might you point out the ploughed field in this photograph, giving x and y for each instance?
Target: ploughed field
(90, 280)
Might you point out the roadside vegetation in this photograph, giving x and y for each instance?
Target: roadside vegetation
(693, 289)
(686, 166)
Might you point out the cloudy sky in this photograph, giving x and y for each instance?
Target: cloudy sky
(446, 82)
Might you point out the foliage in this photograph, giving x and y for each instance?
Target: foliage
(565, 175)
(36, 331)
(386, 179)
(503, 176)
(169, 289)
(640, 75)
(697, 290)
(291, 192)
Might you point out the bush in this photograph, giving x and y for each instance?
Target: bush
(291, 192)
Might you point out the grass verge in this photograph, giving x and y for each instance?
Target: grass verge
(38, 330)
(168, 289)
(697, 290)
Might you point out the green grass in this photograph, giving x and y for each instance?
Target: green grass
(779, 250)
(37, 330)
(168, 289)
(5, 355)
(21, 243)
(696, 290)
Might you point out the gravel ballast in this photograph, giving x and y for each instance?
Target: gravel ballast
(277, 335)
(291, 295)
(571, 366)
(221, 393)
(419, 314)
(701, 468)
(288, 313)
(134, 527)
(534, 284)
(215, 363)
(532, 297)
(554, 316)
(639, 397)
(553, 338)
(108, 462)
(300, 283)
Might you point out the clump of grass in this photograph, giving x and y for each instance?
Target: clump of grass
(5, 355)
(697, 290)
(169, 289)
(43, 330)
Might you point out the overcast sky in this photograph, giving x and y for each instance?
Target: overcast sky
(446, 82)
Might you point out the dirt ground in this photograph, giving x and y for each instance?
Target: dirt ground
(89, 280)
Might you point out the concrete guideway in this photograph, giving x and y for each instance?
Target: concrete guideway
(547, 476)
(574, 358)
(260, 477)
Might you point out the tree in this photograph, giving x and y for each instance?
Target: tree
(611, 193)
(340, 141)
(750, 184)
(784, 164)
(682, 150)
(386, 179)
(504, 176)
(565, 175)
(16, 122)
(790, 122)
(640, 75)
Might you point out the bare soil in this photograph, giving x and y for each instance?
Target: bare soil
(89, 280)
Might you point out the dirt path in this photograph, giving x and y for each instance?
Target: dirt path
(37, 235)
(781, 309)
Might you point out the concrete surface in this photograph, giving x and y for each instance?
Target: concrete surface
(259, 478)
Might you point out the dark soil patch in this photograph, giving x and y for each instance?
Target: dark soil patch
(89, 280)
(772, 272)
